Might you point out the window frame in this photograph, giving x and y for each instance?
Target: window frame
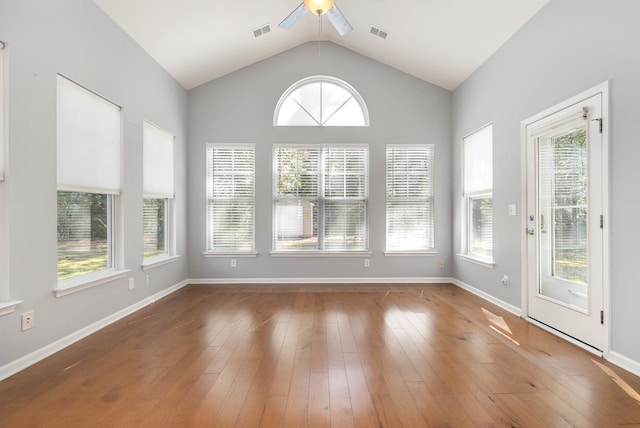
(7, 305)
(168, 195)
(229, 252)
(483, 192)
(115, 217)
(321, 79)
(322, 200)
(429, 199)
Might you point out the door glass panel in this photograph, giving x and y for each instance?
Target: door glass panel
(562, 187)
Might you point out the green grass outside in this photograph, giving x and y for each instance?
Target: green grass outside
(73, 262)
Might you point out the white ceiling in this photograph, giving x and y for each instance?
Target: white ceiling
(439, 41)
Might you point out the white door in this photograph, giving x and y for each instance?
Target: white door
(564, 224)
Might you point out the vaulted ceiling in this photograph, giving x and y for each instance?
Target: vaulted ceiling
(439, 41)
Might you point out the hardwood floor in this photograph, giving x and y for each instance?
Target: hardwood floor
(321, 356)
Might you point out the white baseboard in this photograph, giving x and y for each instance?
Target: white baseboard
(625, 362)
(349, 280)
(488, 297)
(50, 349)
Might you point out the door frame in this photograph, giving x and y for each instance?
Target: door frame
(602, 88)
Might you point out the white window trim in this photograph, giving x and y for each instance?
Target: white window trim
(465, 255)
(317, 252)
(229, 253)
(170, 237)
(320, 78)
(171, 253)
(488, 263)
(412, 253)
(425, 252)
(10, 306)
(212, 254)
(82, 282)
(159, 260)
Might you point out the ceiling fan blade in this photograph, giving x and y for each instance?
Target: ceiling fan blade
(338, 20)
(293, 17)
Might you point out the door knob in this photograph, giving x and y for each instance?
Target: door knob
(530, 231)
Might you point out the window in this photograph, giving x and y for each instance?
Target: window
(321, 198)
(410, 222)
(477, 150)
(230, 198)
(2, 111)
(88, 156)
(158, 191)
(321, 101)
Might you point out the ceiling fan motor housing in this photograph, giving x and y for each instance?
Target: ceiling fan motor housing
(319, 7)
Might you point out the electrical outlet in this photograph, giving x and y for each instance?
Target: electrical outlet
(131, 283)
(505, 281)
(367, 262)
(441, 264)
(27, 320)
(234, 263)
(147, 280)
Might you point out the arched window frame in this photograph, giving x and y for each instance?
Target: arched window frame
(322, 79)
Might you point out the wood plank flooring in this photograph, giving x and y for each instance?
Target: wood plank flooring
(321, 356)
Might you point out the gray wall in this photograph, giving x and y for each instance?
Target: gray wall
(239, 108)
(75, 38)
(568, 47)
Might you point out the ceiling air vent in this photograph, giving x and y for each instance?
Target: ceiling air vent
(379, 32)
(261, 31)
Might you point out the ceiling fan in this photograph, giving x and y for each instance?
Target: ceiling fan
(318, 7)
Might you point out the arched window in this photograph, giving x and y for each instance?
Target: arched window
(321, 101)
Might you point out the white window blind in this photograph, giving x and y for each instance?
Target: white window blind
(410, 222)
(158, 166)
(321, 198)
(478, 161)
(230, 198)
(89, 136)
(2, 111)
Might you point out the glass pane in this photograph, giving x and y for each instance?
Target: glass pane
(333, 99)
(481, 226)
(408, 226)
(345, 226)
(563, 160)
(297, 172)
(231, 225)
(296, 225)
(154, 233)
(83, 233)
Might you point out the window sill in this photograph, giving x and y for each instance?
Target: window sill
(8, 307)
(230, 254)
(475, 260)
(320, 253)
(156, 261)
(426, 253)
(82, 282)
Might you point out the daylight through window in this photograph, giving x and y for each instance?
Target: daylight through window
(321, 101)
(321, 198)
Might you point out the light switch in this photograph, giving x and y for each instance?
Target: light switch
(513, 210)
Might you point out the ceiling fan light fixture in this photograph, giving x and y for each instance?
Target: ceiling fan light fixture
(319, 7)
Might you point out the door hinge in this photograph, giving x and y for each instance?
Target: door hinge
(599, 123)
(601, 221)
(601, 317)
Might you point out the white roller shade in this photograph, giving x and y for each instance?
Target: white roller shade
(158, 167)
(478, 161)
(89, 136)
